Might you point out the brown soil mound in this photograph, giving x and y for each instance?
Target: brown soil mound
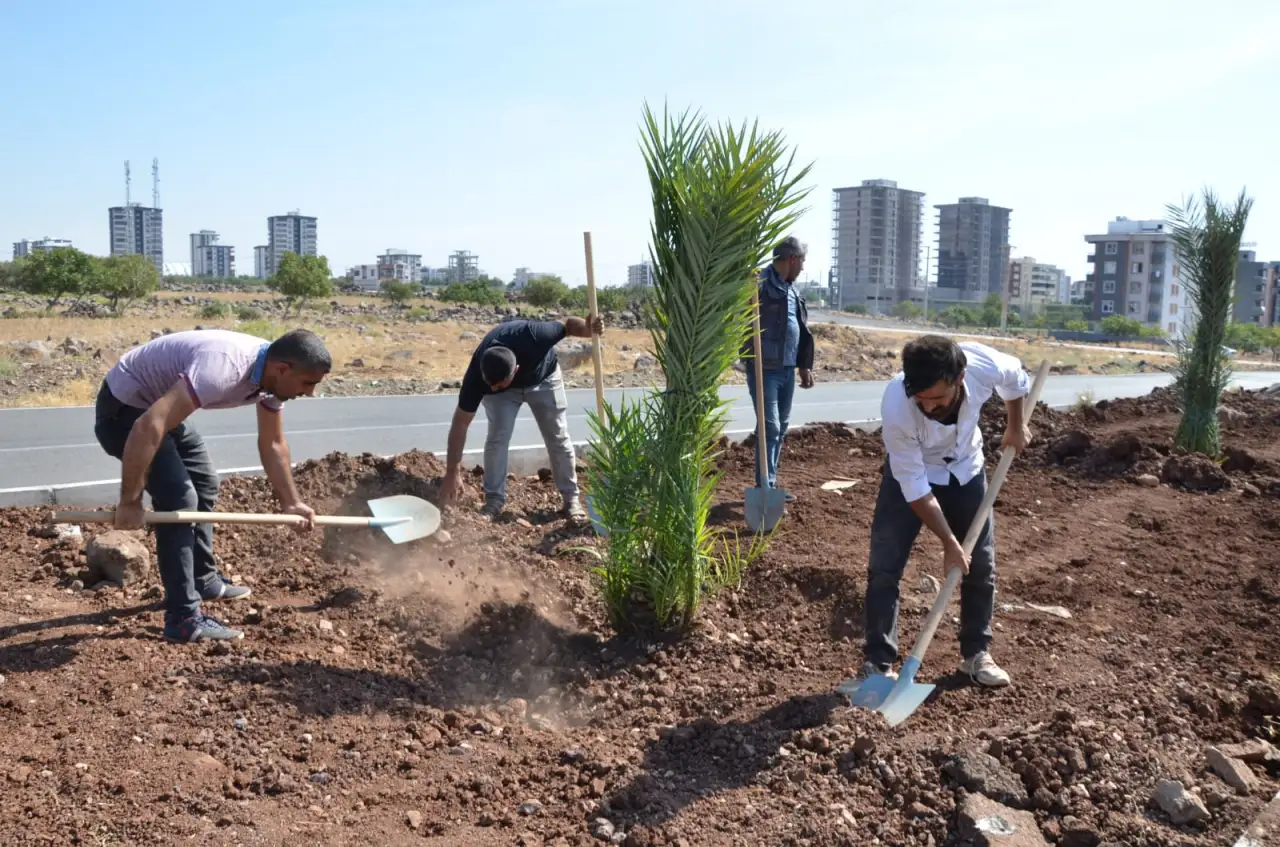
(463, 690)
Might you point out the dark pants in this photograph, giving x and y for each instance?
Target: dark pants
(181, 478)
(893, 532)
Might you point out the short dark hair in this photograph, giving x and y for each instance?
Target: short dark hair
(788, 247)
(928, 359)
(302, 349)
(497, 364)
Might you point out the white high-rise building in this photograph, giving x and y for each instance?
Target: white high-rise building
(875, 245)
(260, 261)
(400, 265)
(291, 233)
(209, 258)
(1033, 285)
(641, 275)
(26, 248)
(137, 230)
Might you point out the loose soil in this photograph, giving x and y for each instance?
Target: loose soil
(465, 690)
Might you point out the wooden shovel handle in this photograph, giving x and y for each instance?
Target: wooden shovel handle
(979, 521)
(763, 454)
(109, 516)
(595, 339)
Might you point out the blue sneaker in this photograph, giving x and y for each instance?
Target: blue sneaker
(200, 627)
(223, 590)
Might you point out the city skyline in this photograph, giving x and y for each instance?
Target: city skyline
(550, 148)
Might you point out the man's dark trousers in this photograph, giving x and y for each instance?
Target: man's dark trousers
(181, 478)
(893, 532)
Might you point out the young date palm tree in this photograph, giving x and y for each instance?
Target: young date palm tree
(722, 197)
(1207, 235)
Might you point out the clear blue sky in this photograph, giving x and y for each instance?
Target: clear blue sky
(508, 128)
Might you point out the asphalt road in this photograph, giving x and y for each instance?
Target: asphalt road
(55, 446)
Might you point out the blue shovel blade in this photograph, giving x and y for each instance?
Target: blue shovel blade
(869, 693)
(905, 698)
(596, 521)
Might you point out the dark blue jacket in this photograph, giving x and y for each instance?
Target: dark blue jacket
(773, 325)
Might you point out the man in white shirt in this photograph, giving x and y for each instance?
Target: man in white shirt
(933, 476)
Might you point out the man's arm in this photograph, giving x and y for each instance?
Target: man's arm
(576, 327)
(1012, 383)
(457, 438)
(145, 437)
(274, 452)
(906, 463)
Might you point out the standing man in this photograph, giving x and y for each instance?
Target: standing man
(142, 410)
(933, 476)
(786, 345)
(516, 363)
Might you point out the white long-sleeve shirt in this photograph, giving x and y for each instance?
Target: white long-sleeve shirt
(923, 451)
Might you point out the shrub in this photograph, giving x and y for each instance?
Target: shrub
(248, 313)
(546, 292)
(213, 311)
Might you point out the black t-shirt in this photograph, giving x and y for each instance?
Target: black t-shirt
(533, 342)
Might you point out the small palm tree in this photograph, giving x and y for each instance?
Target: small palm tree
(1207, 235)
(722, 197)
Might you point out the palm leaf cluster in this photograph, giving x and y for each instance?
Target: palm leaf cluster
(722, 197)
(1207, 236)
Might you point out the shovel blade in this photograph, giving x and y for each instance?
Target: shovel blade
(904, 700)
(404, 517)
(763, 508)
(870, 693)
(596, 521)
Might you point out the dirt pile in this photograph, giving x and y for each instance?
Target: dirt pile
(463, 690)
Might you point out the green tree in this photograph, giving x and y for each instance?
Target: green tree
(1207, 234)
(546, 291)
(127, 279)
(991, 309)
(958, 316)
(907, 311)
(54, 274)
(476, 291)
(616, 299)
(1121, 326)
(8, 275)
(722, 197)
(301, 278)
(397, 291)
(1248, 337)
(1076, 326)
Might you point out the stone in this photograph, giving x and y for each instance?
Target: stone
(1178, 803)
(1233, 771)
(1147, 480)
(1255, 750)
(602, 829)
(987, 823)
(644, 362)
(117, 557)
(530, 807)
(414, 819)
(984, 774)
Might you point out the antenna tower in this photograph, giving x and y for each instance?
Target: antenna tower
(126, 183)
(155, 183)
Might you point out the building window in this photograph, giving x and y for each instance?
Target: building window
(1135, 288)
(1108, 306)
(1138, 248)
(1135, 307)
(1108, 267)
(1173, 327)
(1173, 291)
(1109, 287)
(1111, 248)
(1173, 308)
(1135, 267)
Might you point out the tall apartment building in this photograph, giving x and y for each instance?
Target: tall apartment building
(137, 230)
(1272, 316)
(291, 233)
(973, 250)
(1255, 290)
(435, 276)
(260, 261)
(43, 245)
(400, 265)
(875, 244)
(1033, 285)
(464, 266)
(209, 258)
(524, 276)
(641, 275)
(364, 276)
(1135, 273)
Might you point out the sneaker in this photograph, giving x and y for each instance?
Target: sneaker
(873, 669)
(574, 512)
(200, 627)
(225, 591)
(491, 510)
(983, 670)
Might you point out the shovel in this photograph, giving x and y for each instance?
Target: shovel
(592, 511)
(763, 506)
(402, 517)
(898, 699)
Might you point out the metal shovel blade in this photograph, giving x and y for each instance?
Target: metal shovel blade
(596, 521)
(404, 517)
(763, 508)
(896, 699)
(870, 693)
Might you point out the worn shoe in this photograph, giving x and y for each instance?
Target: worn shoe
(873, 669)
(200, 627)
(224, 590)
(491, 510)
(983, 670)
(574, 512)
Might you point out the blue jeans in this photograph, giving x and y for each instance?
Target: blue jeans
(779, 389)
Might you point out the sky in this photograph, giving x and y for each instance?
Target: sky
(509, 128)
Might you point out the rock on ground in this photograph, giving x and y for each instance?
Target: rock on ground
(1178, 803)
(1233, 771)
(117, 557)
(983, 773)
(987, 823)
